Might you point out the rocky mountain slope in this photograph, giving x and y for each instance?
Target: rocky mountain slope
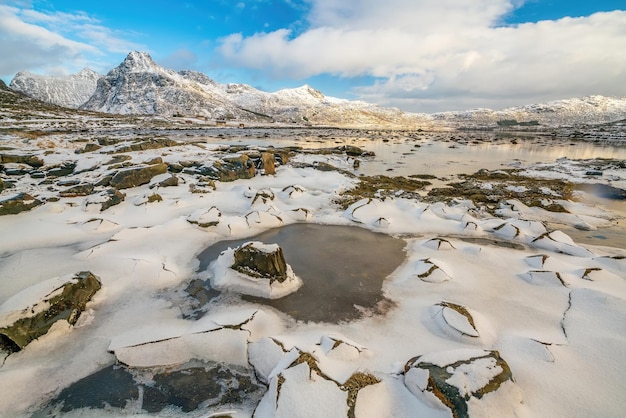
(68, 91)
(138, 86)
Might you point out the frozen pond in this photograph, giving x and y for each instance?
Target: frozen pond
(343, 268)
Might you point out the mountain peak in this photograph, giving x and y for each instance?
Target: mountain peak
(138, 61)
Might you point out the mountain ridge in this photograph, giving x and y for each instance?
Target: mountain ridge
(139, 86)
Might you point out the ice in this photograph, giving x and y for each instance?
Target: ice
(553, 307)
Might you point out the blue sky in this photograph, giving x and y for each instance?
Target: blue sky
(418, 55)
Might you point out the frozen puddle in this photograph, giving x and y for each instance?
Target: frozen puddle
(343, 269)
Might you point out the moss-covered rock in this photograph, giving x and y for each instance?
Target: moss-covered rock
(65, 303)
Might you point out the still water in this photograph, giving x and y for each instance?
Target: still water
(342, 267)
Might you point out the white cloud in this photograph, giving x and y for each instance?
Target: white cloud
(53, 42)
(429, 56)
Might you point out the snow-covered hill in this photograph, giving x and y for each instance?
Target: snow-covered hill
(68, 91)
(567, 112)
(139, 86)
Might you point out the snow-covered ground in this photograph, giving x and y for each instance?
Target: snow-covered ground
(491, 315)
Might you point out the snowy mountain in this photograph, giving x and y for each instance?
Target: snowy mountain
(139, 86)
(68, 91)
(576, 111)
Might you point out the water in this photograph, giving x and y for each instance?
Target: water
(343, 269)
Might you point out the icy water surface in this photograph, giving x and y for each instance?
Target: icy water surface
(343, 269)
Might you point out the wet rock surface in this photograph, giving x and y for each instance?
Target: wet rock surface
(189, 387)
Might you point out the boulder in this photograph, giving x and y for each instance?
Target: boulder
(64, 303)
(267, 160)
(257, 260)
(113, 197)
(137, 176)
(64, 169)
(468, 382)
(21, 203)
(232, 168)
(78, 190)
(31, 160)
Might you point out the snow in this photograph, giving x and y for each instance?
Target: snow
(530, 301)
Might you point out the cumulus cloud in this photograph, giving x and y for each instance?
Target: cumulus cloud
(450, 54)
(49, 41)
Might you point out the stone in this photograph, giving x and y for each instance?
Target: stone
(460, 379)
(64, 169)
(5, 185)
(91, 147)
(31, 160)
(254, 259)
(21, 203)
(137, 176)
(66, 303)
(114, 197)
(169, 182)
(78, 190)
(233, 168)
(267, 160)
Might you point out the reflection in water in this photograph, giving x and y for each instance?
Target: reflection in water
(343, 268)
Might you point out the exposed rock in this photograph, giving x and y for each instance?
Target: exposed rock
(20, 203)
(460, 379)
(260, 261)
(136, 176)
(78, 190)
(267, 160)
(64, 303)
(147, 145)
(64, 169)
(91, 147)
(233, 168)
(114, 197)
(169, 182)
(5, 185)
(31, 160)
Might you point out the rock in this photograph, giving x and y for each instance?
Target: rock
(169, 182)
(231, 169)
(91, 147)
(257, 260)
(31, 160)
(79, 190)
(66, 303)
(21, 203)
(64, 169)
(461, 379)
(137, 176)
(147, 145)
(5, 185)
(267, 160)
(114, 197)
